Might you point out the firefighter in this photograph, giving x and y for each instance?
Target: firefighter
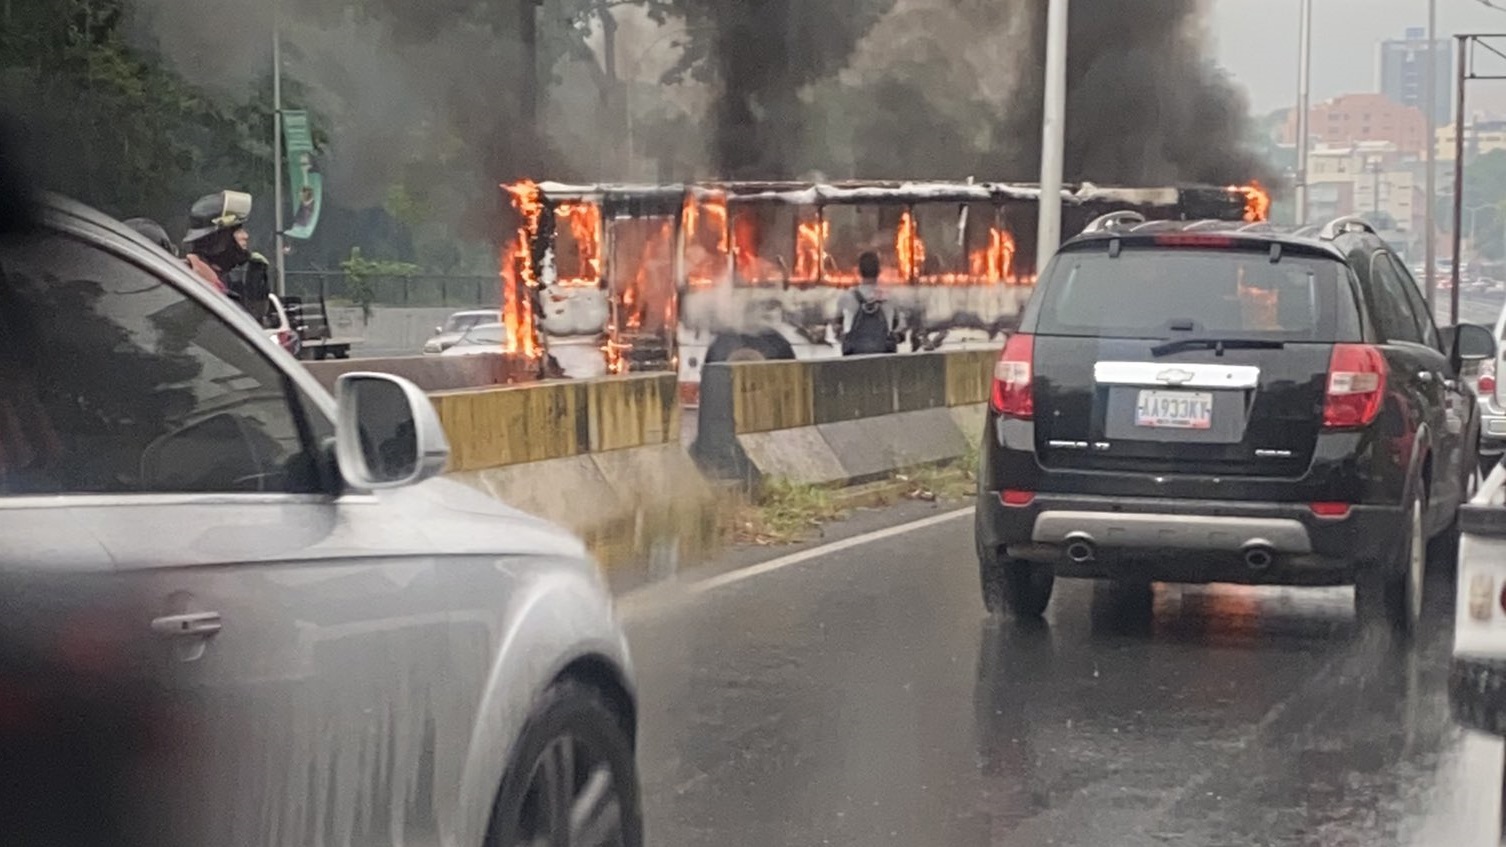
(216, 239)
(218, 248)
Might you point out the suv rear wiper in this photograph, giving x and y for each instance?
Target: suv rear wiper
(1218, 344)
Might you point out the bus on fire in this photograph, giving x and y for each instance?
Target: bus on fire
(604, 279)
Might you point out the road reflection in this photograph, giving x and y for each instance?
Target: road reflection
(1217, 714)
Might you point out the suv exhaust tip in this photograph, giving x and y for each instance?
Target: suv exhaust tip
(1258, 557)
(1080, 549)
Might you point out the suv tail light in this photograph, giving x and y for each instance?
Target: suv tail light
(1487, 383)
(1356, 386)
(1012, 390)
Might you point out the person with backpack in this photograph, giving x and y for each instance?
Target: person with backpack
(868, 321)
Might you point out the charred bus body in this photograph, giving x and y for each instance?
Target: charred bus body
(616, 278)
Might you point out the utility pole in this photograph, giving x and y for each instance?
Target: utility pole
(1430, 187)
(1304, 89)
(1053, 135)
(529, 32)
(281, 283)
(1463, 77)
(612, 163)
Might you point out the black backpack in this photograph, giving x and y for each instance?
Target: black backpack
(870, 331)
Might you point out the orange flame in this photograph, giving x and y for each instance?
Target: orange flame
(1257, 201)
(583, 220)
(910, 249)
(706, 248)
(996, 261)
(810, 248)
(519, 282)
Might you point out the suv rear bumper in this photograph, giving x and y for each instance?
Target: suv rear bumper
(1178, 540)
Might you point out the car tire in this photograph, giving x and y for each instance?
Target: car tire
(1017, 587)
(1392, 591)
(574, 744)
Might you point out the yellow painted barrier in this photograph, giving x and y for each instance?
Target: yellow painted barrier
(772, 395)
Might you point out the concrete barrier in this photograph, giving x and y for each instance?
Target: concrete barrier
(435, 373)
(601, 457)
(840, 421)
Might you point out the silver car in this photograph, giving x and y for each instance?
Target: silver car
(361, 652)
(456, 326)
(1492, 393)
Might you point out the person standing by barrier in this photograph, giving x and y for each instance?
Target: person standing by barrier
(868, 320)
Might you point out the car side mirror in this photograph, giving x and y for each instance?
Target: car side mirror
(1469, 343)
(387, 434)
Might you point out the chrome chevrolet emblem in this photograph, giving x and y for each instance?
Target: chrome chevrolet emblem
(1174, 376)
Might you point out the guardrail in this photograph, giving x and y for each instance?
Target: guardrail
(840, 421)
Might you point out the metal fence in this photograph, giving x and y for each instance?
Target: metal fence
(423, 290)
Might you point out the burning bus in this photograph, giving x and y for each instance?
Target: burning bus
(614, 278)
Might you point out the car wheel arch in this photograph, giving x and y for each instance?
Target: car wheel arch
(568, 620)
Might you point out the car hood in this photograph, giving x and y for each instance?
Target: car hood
(461, 519)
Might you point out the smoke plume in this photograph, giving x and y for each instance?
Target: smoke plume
(953, 88)
(1145, 103)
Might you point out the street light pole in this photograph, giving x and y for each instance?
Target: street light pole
(1463, 76)
(1430, 188)
(281, 283)
(1304, 89)
(1053, 135)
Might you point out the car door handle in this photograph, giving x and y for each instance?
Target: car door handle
(192, 625)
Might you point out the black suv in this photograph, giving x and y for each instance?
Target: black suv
(1216, 402)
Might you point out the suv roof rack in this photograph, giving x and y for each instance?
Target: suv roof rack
(1114, 220)
(1349, 223)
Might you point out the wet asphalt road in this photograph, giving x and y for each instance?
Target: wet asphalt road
(863, 697)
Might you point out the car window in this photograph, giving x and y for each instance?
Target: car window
(1389, 306)
(115, 382)
(1416, 302)
(487, 335)
(1230, 293)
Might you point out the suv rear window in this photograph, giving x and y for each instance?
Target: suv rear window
(1225, 293)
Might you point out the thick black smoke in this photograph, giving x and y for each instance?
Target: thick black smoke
(763, 55)
(1145, 103)
(953, 88)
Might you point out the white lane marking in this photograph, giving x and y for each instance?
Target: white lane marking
(732, 577)
(640, 601)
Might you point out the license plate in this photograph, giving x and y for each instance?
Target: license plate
(1175, 409)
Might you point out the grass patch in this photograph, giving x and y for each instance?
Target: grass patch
(954, 481)
(786, 512)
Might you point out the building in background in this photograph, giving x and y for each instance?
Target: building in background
(1375, 180)
(1403, 70)
(1351, 119)
(1482, 135)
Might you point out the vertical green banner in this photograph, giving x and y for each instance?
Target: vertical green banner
(306, 182)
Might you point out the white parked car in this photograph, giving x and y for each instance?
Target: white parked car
(359, 651)
(479, 340)
(456, 326)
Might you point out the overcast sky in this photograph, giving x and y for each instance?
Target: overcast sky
(1257, 43)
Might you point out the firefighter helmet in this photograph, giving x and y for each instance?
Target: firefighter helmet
(215, 212)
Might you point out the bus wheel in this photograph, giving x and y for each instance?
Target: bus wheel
(750, 348)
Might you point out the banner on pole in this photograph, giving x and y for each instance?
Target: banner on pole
(303, 174)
